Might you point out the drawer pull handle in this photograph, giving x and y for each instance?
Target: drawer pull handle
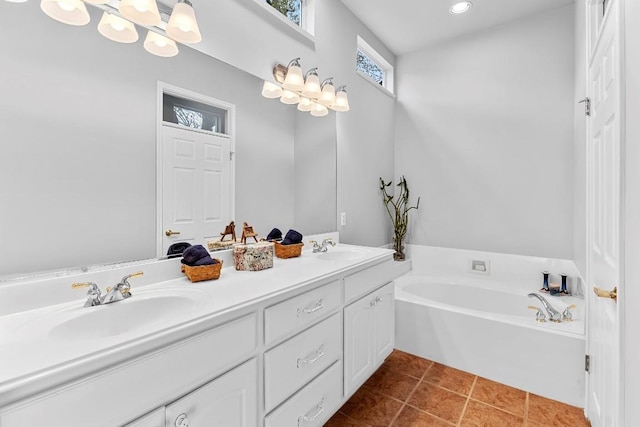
(319, 306)
(310, 417)
(312, 358)
(375, 301)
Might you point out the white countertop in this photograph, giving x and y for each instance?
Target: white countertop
(31, 362)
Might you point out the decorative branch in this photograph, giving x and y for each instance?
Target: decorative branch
(398, 209)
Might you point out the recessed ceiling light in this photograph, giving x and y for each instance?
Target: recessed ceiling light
(460, 7)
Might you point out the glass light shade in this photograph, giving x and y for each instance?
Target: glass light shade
(305, 104)
(182, 25)
(117, 29)
(160, 45)
(72, 12)
(342, 101)
(294, 79)
(271, 90)
(460, 7)
(328, 95)
(289, 97)
(143, 12)
(319, 110)
(311, 86)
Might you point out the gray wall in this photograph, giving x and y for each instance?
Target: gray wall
(484, 133)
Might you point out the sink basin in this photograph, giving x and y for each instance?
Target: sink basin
(342, 254)
(143, 309)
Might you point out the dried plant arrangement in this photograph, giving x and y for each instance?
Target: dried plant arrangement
(398, 209)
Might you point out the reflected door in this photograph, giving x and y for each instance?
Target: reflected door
(196, 186)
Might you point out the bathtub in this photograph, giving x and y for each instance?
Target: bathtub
(484, 327)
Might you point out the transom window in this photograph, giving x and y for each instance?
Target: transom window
(193, 114)
(372, 66)
(292, 9)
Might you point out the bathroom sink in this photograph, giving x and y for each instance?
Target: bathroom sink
(342, 254)
(142, 310)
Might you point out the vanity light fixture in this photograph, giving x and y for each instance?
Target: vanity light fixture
(294, 87)
(460, 7)
(117, 23)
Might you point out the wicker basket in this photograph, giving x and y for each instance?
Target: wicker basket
(203, 272)
(288, 251)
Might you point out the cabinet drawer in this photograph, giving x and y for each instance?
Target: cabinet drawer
(295, 362)
(365, 281)
(313, 405)
(300, 311)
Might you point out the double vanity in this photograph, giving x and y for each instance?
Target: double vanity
(280, 347)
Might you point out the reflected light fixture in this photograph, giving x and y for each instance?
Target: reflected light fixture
(142, 12)
(117, 29)
(271, 90)
(165, 26)
(460, 7)
(182, 25)
(305, 104)
(72, 12)
(289, 97)
(294, 87)
(160, 45)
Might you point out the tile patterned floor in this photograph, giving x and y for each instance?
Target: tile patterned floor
(408, 391)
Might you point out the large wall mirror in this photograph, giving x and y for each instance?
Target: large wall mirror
(79, 128)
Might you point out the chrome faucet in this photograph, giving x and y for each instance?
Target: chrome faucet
(119, 292)
(322, 247)
(554, 315)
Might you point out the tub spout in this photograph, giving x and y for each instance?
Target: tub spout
(554, 315)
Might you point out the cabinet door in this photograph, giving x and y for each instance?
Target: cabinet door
(358, 343)
(229, 401)
(383, 323)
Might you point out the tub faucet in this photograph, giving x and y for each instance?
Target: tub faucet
(120, 291)
(554, 315)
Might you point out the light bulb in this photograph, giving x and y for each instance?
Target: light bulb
(319, 110)
(311, 84)
(328, 95)
(342, 102)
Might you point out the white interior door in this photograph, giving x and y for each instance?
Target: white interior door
(196, 190)
(604, 236)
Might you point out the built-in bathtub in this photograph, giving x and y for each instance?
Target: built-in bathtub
(482, 325)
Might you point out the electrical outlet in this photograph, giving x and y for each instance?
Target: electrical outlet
(343, 219)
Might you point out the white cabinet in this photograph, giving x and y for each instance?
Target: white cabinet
(229, 401)
(368, 336)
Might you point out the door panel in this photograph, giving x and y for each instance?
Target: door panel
(604, 238)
